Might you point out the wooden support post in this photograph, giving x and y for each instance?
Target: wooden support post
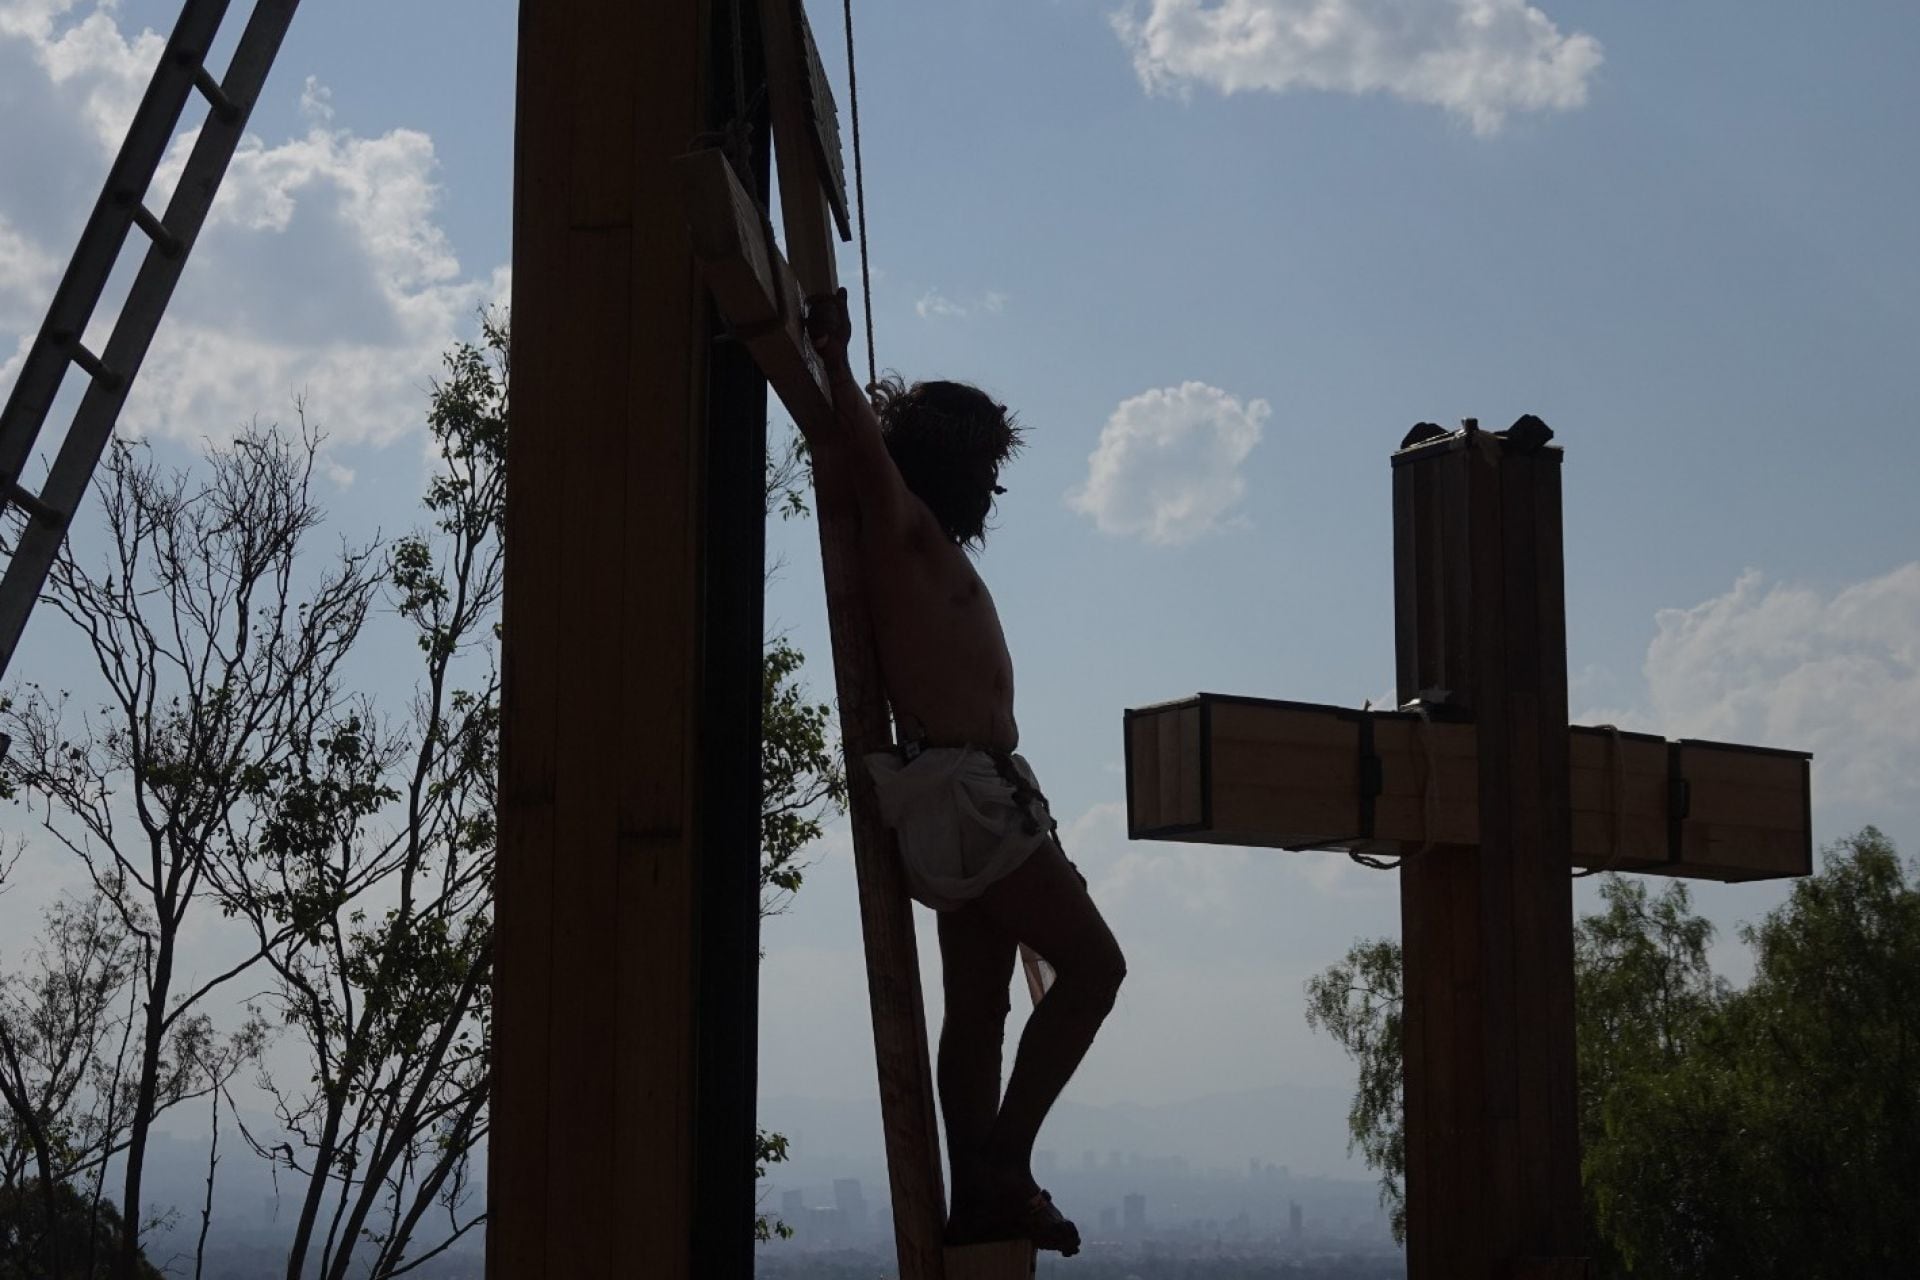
(1487, 930)
(761, 295)
(1001, 1260)
(627, 884)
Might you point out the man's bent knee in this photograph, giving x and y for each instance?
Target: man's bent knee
(1100, 971)
(976, 1004)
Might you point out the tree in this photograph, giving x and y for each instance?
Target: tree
(1769, 1131)
(366, 873)
(215, 643)
(82, 1229)
(1358, 1003)
(802, 782)
(60, 1021)
(234, 764)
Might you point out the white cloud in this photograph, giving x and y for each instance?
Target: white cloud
(1476, 59)
(322, 272)
(27, 275)
(1167, 465)
(1783, 665)
(934, 305)
(1197, 878)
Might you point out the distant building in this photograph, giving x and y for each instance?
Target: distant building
(825, 1225)
(793, 1207)
(1109, 1221)
(851, 1203)
(1294, 1220)
(1134, 1213)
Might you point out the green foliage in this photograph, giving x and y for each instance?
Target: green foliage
(802, 781)
(768, 1148)
(1357, 1002)
(1772, 1131)
(86, 1241)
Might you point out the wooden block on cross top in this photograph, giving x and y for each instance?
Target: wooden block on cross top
(1219, 769)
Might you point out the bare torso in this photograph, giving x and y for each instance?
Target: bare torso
(942, 654)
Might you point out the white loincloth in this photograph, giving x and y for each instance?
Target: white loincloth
(959, 828)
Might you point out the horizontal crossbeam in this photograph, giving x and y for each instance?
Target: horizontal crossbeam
(1217, 769)
(752, 284)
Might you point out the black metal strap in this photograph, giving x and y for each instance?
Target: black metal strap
(1679, 803)
(1371, 776)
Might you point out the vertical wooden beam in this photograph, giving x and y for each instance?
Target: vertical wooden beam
(624, 994)
(1487, 933)
(727, 995)
(908, 1117)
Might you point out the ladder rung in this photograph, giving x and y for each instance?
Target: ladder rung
(156, 230)
(78, 353)
(210, 89)
(30, 503)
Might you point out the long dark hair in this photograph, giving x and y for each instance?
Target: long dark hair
(949, 441)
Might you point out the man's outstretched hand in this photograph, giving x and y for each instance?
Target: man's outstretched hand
(829, 328)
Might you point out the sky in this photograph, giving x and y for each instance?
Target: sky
(1218, 256)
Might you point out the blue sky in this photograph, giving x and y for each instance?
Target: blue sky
(1218, 256)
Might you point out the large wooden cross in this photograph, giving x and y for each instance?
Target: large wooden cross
(1491, 801)
(762, 295)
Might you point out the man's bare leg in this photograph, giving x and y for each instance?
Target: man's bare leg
(1045, 905)
(976, 968)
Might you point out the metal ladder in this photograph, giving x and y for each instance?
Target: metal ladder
(110, 371)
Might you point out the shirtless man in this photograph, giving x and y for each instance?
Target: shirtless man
(977, 841)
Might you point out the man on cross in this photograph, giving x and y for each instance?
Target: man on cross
(977, 840)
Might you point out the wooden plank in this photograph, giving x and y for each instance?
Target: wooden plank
(1480, 962)
(1748, 766)
(1174, 771)
(731, 444)
(1767, 807)
(1618, 790)
(1568, 1227)
(1000, 1260)
(1747, 816)
(753, 286)
(893, 975)
(516, 1231)
(623, 1026)
(644, 794)
(803, 188)
(1729, 852)
(1143, 773)
(1487, 1169)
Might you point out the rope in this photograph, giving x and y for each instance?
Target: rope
(860, 195)
(1429, 799)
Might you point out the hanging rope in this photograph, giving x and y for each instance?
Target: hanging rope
(860, 195)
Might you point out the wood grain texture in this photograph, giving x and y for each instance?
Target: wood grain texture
(1001, 1260)
(1486, 930)
(756, 291)
(523, 920)
(907, 1108)
(623, 1101)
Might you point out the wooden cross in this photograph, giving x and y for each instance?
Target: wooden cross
(1491, 801)
(762, 295)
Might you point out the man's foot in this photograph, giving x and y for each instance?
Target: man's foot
(1032, 1218)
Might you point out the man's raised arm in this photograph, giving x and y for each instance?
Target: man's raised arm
(853, 442)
